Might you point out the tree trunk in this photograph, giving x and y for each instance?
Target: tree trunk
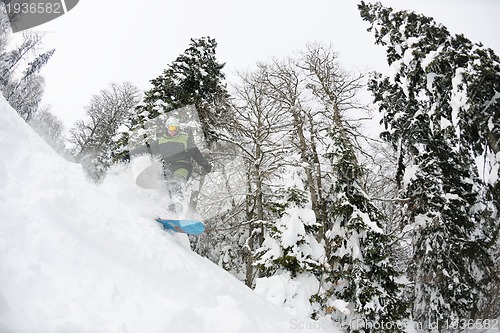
(250, 242)
(304, 154)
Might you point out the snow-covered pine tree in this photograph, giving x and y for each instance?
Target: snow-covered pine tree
(361, 271)
(291, 259)
(194, 78)
(23, 89)
(441, 111)
(367, 276)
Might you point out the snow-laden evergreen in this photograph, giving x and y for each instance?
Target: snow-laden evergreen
(291, 257)
(361, 272)
(76, 257)
(20, 66)
(441, 111)
(195, 77)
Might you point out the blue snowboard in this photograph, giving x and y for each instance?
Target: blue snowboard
(190, 227)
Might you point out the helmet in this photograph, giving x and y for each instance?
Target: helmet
(172, 123)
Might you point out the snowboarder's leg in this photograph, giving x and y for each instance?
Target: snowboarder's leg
(175, 185)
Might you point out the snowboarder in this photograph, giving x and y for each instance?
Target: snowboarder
(177, 151)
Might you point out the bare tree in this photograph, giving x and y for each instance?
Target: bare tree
(333, 103)
(286, 86)
(259, 130)
(93, 137)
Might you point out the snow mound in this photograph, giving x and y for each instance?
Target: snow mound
(76, 257)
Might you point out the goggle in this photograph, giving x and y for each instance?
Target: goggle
(172, 128)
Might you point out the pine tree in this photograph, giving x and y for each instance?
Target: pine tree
(194, 78)
(361, 271)
(290, 253)
(23, 88)
(441, 112)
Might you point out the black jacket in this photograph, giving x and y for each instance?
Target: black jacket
(176, 152)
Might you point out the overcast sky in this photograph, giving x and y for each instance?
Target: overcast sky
(99, 42)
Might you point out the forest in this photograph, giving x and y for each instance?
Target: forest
(311, 202)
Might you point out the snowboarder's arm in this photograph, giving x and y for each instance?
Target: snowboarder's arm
(196, 154)
(148, 148)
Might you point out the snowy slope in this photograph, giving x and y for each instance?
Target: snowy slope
(75, 257)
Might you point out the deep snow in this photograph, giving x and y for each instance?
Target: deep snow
(77, 257)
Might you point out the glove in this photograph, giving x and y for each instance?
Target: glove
(208, 167)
